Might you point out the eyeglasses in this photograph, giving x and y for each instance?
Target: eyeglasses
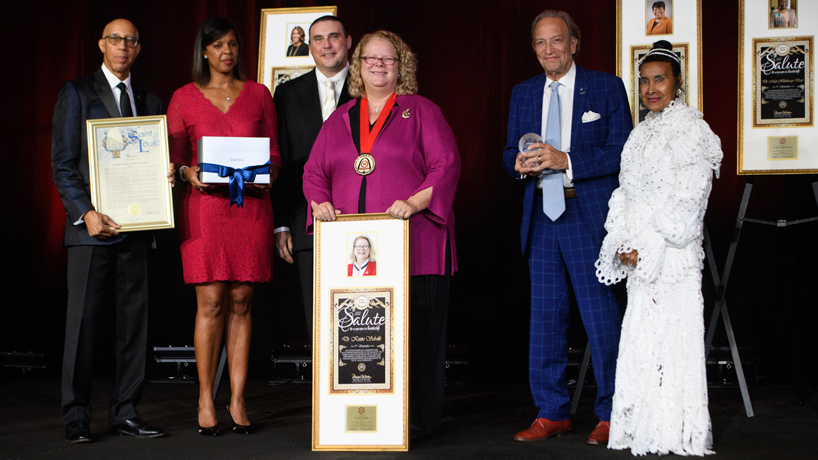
(115, 40)
(361, 247)
(371, 60)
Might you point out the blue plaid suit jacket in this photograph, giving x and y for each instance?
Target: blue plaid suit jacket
(595, 146)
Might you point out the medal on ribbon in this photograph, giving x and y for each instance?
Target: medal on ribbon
(365, 163)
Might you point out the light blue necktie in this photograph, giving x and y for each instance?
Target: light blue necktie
(553, 195)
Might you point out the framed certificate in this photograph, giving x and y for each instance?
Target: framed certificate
(128, 166)
(283, 49)
(776, 119)
(361, 319)
(639, 24)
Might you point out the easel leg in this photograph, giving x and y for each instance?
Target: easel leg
(720, 306)
(583, 370)
(220, 371)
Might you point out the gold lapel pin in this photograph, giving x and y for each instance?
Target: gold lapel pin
(406, 114)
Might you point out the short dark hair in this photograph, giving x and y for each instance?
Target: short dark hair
(658, 5)
(573, 28)
(212, 30)
(329, 17)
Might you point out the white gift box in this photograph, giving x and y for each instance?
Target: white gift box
(234, 152)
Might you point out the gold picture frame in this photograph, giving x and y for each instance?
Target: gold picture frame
(361, 410)
(687, 33)
(128, 163)
(753, 137)
(276, 26)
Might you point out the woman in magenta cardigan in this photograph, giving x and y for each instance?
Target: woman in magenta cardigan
(390, 150)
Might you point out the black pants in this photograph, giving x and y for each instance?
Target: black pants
(304, 262)
(428, 313)
(103, 278)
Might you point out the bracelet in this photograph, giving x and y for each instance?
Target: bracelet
(182, 172)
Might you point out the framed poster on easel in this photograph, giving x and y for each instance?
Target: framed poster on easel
(640, 23)
(361, 333)
(283, 50)
(776, 115)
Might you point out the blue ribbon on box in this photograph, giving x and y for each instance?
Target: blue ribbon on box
(237, 178)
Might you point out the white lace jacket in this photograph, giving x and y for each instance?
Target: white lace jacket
(658, 209)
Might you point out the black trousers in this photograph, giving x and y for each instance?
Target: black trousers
(304, 262)
(104, 278)
(428, 313)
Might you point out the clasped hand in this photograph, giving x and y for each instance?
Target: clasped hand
(539, 158)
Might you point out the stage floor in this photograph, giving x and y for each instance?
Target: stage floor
(479, 422)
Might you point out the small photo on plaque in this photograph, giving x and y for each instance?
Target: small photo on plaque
(362, 256)
(361, 419)
(782, 148)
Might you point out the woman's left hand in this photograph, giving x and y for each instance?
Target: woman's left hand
(629, 259)
(402, 209)
(257, 189)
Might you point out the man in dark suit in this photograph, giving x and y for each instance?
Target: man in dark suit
(106, 269)
(302, 106)
(584, 120)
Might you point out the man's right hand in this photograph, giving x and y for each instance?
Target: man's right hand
(284, 245)
(99, 225)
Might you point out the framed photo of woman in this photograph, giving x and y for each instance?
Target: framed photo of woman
(284, 39)
(640, 23)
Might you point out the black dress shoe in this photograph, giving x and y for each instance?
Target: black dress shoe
(78, 431)
(137, 428)
(240, 429)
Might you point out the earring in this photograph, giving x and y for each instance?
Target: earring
(205, 56)
(679, 92)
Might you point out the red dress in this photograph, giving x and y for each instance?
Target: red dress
(220, 242)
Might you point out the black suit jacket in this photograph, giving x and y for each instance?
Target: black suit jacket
(86, 98)
(298, 109)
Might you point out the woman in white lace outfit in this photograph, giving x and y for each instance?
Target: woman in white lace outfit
(655, 239)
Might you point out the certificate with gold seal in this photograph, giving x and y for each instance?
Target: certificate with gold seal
(128, 164)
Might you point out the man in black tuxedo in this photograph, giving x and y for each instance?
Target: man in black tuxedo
(302, 106)
(106, 269)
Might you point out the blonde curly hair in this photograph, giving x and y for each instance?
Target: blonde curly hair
(407, 81)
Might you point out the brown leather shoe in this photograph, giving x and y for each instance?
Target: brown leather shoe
(542, 428)
(600, 434)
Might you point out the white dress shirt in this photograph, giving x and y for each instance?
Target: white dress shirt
(337, 82)
(113, 81)
(566, 92)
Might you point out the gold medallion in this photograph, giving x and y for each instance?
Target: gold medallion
(364, 164)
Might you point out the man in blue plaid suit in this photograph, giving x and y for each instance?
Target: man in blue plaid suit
(584, 119)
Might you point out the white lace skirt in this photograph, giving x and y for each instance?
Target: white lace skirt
(660, 402)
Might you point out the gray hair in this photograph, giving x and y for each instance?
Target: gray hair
(573, 29)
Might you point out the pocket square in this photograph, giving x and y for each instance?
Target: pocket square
(589, 116)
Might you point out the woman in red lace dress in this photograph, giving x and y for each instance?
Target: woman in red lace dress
(225, 249)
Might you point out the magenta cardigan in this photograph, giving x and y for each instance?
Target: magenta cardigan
(415, 150)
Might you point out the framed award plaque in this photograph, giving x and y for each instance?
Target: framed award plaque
(361, 321)
(776, 116)
(128, 164)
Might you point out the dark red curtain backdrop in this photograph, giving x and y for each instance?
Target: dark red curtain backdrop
(471, 54)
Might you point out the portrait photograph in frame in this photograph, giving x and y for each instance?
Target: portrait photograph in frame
(128, 163)
(639, 111)
(632, 40)
(360, 343)
(275, 50)
(659, 17)
(783, 14)
(776, 92)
